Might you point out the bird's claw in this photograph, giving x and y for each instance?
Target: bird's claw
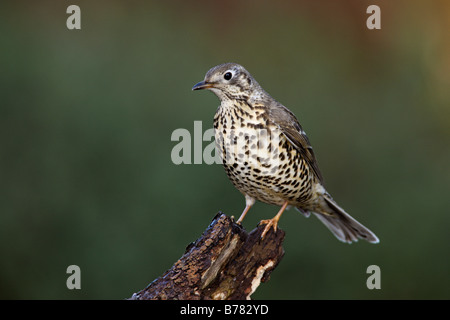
(269, 223)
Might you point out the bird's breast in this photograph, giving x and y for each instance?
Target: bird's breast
(246, 138)
(257, 157)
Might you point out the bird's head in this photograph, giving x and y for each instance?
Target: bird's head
(229, 81)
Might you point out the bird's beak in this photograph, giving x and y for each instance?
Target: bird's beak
(202, 85)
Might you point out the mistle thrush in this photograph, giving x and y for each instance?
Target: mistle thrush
(267, 155)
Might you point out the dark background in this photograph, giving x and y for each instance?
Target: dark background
(86, 118)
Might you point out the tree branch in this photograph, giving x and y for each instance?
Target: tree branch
(225, 263)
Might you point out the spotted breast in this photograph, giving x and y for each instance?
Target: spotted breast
(258, 158)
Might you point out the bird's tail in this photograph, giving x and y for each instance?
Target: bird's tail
(343, 226)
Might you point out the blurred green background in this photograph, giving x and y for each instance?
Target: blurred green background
(86, 118)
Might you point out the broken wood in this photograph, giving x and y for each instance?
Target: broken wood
(225, 263)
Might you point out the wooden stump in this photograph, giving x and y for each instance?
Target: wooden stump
(225, 263)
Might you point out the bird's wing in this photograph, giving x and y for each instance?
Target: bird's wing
(289, 125)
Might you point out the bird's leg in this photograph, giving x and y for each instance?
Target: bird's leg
(249, 202)
(274, 221)
(247, 207)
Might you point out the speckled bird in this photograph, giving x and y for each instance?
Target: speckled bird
(267, 155)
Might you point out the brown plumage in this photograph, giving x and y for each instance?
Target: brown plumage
(267, 155)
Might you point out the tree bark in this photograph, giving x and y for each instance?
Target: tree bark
(225, 263)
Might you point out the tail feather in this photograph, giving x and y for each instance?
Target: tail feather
(343, 226)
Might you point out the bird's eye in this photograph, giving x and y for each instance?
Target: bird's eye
(228, 76)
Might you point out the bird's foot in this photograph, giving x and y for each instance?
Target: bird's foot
(270, 223)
